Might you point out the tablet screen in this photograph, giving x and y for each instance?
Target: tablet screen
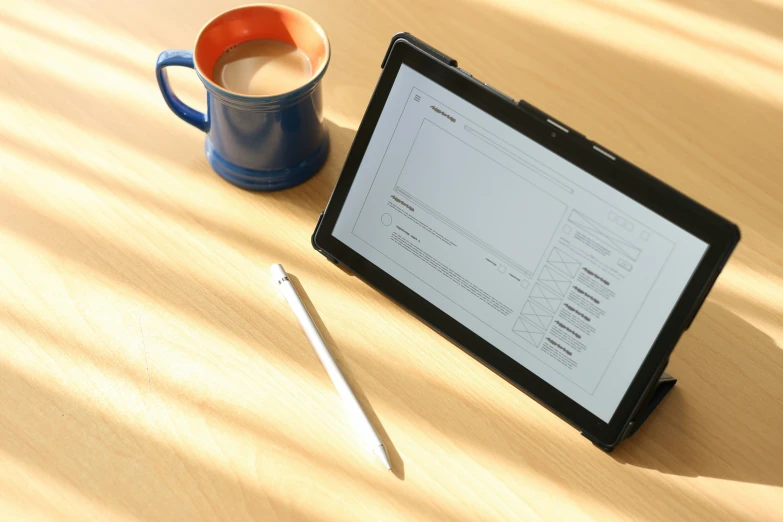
(561, 272)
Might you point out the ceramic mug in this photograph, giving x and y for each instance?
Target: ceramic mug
(256, 142)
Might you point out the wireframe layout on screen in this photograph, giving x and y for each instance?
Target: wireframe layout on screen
(564, 274)
(506, 202)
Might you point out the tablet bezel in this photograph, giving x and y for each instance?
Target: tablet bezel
(720, 234)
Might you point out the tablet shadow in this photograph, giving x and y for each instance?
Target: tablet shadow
(398, 466)
(728, 429)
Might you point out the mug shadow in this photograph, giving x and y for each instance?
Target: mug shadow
(398, 466)
(726, 429)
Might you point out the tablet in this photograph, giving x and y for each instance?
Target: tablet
(564, 268)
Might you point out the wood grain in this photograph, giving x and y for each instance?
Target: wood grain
(149, 372)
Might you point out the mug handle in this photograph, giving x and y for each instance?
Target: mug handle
(178, 58)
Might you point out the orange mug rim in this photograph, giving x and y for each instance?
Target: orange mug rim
(315, 76)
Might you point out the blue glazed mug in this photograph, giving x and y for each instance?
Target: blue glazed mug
(256, 142)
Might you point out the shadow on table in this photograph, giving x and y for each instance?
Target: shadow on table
(752, 15)
(448, 409)
(97, 440)
(398, 466)
(120, 465)
(174, 145)
(310, 197)
(708, 427)
(725, 45)
(686, 436)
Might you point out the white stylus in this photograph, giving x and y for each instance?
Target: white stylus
(359, 418)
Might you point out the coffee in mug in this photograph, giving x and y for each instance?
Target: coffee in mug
(262, 67)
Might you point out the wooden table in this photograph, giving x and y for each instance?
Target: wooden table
(148, 371)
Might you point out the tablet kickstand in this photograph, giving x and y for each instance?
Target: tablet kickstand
(665, 383)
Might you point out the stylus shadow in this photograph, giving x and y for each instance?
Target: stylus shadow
(727, 429)
(398, 466)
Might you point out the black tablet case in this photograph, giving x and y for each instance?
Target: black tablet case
(658, 389)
